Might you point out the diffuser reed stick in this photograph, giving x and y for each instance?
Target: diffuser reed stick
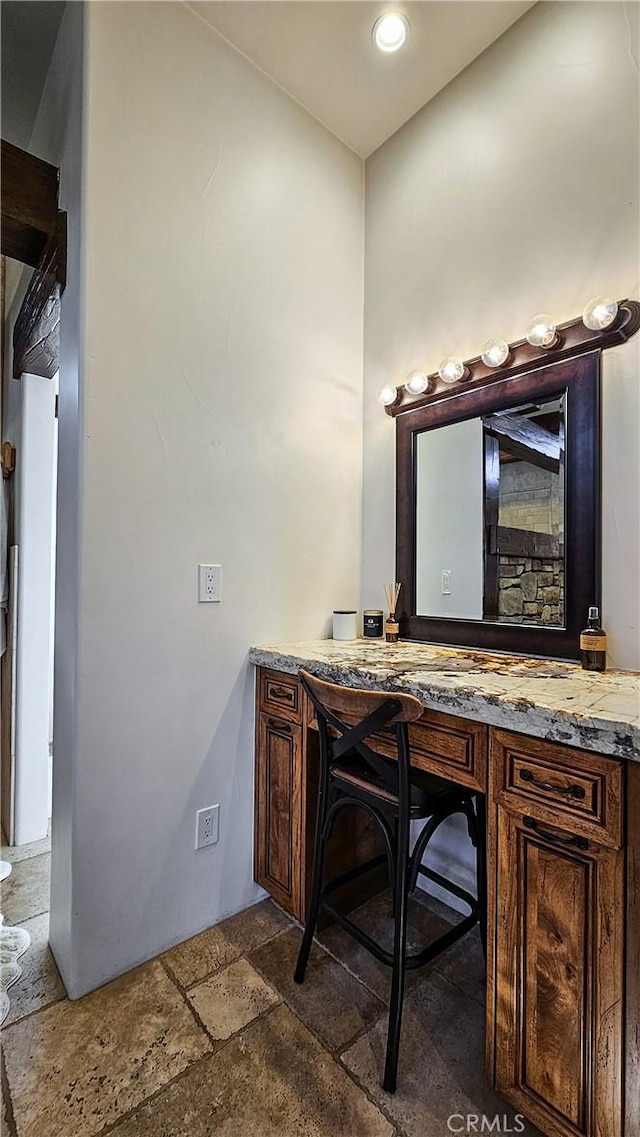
(392, 591)
(391, 628)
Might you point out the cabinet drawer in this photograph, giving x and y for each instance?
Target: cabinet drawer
(451, 747)
(559, 786)
(280, 694)
(445, 745)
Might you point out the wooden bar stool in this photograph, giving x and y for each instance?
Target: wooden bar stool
(394, 794)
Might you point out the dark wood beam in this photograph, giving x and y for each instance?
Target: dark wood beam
(526, 440)
(505, 541)
(29, 203)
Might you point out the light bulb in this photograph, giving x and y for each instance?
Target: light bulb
(390, 31)
(416, 382)
(495, 353)
(541, 331)
(599, 314)
(387, 394)
(451, 370)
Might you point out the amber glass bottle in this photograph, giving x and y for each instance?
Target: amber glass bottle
(391, 629)
(593, 644)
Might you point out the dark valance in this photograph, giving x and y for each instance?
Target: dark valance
(36, 335)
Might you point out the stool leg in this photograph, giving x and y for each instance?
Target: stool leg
(401, 897)
(316, 888)
(392, 878)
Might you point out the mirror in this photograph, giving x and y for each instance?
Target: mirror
(490, 517)
(497, 512)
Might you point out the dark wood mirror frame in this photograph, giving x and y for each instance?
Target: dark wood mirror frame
(580, 379)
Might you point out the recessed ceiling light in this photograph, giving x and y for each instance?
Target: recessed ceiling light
(390, 31)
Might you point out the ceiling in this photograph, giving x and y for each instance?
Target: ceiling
(29, 31)
(321, 53)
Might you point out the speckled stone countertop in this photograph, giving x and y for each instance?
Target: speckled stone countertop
(543, 698)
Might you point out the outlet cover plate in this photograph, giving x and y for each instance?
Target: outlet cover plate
(207, 826)
(209, 584)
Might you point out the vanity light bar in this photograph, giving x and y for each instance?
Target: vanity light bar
(603, 323)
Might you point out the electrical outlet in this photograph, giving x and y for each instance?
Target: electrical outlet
(209, 584)
(207, 826)
(446, 582)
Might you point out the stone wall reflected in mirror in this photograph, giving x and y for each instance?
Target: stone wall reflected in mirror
(490, 517)
(529, 541)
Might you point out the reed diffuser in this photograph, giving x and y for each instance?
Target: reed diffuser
(391, 627)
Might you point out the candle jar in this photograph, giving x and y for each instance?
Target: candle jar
(372, 623)
(345, 625)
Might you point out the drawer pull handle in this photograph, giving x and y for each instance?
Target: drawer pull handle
(568, 791)
(284, 726)
(555, 838)
(282, 693)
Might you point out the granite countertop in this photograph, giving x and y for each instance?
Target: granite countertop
(544, 698)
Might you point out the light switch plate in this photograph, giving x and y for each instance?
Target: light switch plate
(209, 584)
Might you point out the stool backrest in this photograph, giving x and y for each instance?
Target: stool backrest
(347, 716)
(355, 703)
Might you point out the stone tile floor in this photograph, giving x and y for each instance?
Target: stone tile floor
(214, 1039)
(24, 902)
(25, 893)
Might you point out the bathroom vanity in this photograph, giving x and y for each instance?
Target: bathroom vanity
(556, 751)
(498, 546)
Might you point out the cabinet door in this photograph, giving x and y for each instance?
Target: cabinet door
(559, 978)
(278, 809)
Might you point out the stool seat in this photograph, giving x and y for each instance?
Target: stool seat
(424, 787)
(394, 794)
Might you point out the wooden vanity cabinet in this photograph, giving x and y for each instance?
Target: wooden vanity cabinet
(563, 940)
(278, 814)
(556, 981)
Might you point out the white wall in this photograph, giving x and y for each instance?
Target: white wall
(58, 138)
(52, 593)
(514, 191)
(449, 520)
(213, 410)
(33, 537)
(29, 423)
(222, 421)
